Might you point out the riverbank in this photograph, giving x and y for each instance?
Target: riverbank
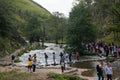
(42, 72)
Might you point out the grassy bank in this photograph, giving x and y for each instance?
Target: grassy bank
(54, 76)
(15, 75)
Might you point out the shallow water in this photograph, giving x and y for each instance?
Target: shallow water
(92, 66)
(84, 64)
(40, 55)
(87, 65)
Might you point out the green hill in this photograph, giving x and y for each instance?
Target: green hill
(15, 16)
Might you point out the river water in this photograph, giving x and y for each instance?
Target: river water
(40, 55)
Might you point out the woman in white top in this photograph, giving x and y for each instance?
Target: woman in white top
(108, 71)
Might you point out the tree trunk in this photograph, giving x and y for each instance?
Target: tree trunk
(114, 34)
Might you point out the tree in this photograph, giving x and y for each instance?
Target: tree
(58, 24)
(33, 30)
(5, 20)
(80, 30)
(107, 16)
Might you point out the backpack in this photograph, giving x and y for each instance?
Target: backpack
(99, 70)
(46, 56)
(13, 57)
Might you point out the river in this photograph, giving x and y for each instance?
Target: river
(40, 55)
(56, 48)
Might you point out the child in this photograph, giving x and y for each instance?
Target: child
(29, 64)
(62, 66)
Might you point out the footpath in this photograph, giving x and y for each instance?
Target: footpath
(7, 59)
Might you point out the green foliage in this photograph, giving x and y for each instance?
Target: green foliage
(33, 29)
(63, 77)
(110, 38)
(80, 30)
(58, 24)
(2, 45)
(107, 16)
(15, 17)
(7, 46)
(4, 20)
(16, 75)
(17, 60)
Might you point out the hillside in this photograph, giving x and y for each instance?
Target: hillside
(15, 16)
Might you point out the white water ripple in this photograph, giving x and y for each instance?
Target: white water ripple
(40, 55)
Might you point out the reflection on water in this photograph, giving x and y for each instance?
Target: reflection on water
(92, 66)
(40, 55)
(84, 64)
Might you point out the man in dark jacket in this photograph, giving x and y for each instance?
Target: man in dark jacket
(99, 69)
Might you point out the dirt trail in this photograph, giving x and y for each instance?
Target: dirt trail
(7, 59)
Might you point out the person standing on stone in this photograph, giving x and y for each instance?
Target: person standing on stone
(54, 62)
(61, 54)
(99, 69)
(46, 58)
(115, 51)
(119, 51)
(13, 59)
(29, 63)
(34, 63)
(108, 71)
(70, 56)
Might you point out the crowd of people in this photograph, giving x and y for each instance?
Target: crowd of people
(32, 60)
(103, 48)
